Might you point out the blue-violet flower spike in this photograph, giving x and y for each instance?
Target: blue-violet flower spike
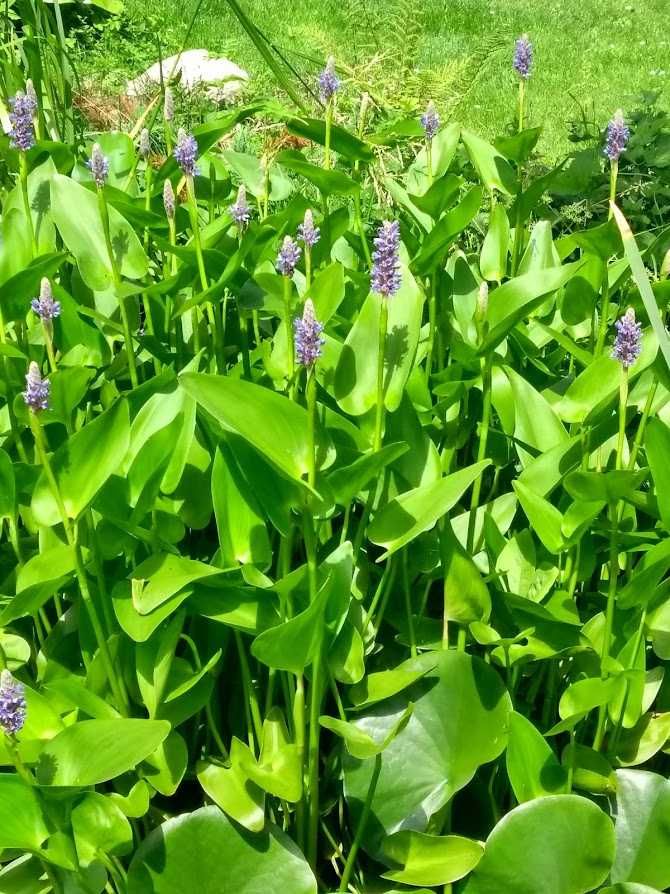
(240, 210)
(430, 121)
(45, 306)
(617, 137)
(329, 83)
(98, 165)
(23, 107)
(386, 279)
(628, 341)
(307, 232)
(288, 257)
(12, 704)
(36, 394)
(186, 153)
(168, 199)
(308, 339)
(523, 57)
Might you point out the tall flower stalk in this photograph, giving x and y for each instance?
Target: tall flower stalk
(186, 154)
(98, 165)
(309, 235)
(22, 138)
(308, 346)
(626, 350)
(47, 310)
(430, 121)
(329, 84)
(36, 397)
(385, 281)
(523, 64)
(287, 261)
(616, 141)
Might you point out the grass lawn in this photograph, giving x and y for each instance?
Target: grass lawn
(595, 55)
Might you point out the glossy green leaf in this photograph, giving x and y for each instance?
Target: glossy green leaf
(459, 721)
(493, 256)
(493, 169)
(94, 751)
(83, 235)
(657, 446)
(642, 829)
(233, 791)
(204, 851)
(22, 822)
(562, 844)
(83, 464)
(532, 767)
(163, 575)
(545, 519)
(430, 859)
(416, 511)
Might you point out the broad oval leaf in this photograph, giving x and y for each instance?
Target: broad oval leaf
(94, 751)
(562, 844)
(204, 852)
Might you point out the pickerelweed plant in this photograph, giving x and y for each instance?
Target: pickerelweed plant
(370, 596)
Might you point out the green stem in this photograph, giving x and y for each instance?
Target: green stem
(481, 451)
(290, 339)
(432, 317)
(622, 713)
(308, 267)
(204, 285)
(623, 403)
(429, 160)
(522, 102)
(116, 276)
(249, 689)
(23, 176)
(80, 571)
(47, 329)
(379, 415)
(362, 823)
(20, 449)
(609, 620)
(637, 443)
(329, 124)
(408, 604)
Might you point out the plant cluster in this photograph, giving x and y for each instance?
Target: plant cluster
(333, 547)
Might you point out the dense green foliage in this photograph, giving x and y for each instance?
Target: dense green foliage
(396, 620)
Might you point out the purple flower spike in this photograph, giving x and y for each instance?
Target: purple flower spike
(98, 165)
(45, 306)
(329, 83)
(168, 199)
(308, 339)
(145, 143)
(12, 704)
(430, 121)
(288, 257)
(386, 279)
(240, 211)
(523, 57)
(36, 394)
(186, 153)
(23, 107)
(628, 341)
(307, 232)
(617, 137)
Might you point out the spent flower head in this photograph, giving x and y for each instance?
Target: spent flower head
(288, 257)
(240, 210)
(430, 121)
(308, 339)
(168, 199)
(307, 232)
(145, 143)
(617, 136)
(386, 278)
(23, 107)
(329, 83)
(628, 341)
(523, 56)
(12, 704)
(168, 105)
(186, 153)
(45, 306)
(98, 165)
(36, 394)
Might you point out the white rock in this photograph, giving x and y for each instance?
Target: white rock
(222, 79)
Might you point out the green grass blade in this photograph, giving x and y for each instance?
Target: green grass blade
(642, 282)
